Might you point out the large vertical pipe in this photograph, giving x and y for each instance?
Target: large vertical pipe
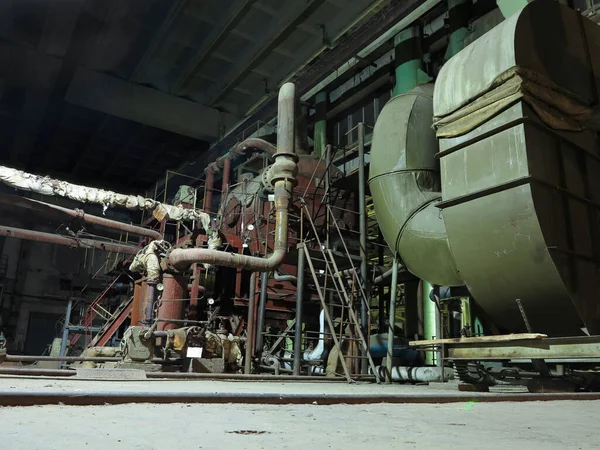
(148, 305)
(364, 317)
(299, 299)
(225, 181)
(392, 320)
(208, 190)
(250, 331)
(139, 302)
(320, 136)
(172, 304)
(458, 15)
(262, 307)
(409, 60)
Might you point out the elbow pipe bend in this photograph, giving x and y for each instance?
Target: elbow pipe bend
(285, 171)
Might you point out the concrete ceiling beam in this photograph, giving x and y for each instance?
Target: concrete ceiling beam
(147, 106)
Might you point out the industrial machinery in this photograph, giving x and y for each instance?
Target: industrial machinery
(501, 198)
(483, 182)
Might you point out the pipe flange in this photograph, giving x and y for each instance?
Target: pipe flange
(285, 168)
(267, 179)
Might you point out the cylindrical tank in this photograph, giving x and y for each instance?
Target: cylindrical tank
(172, 302)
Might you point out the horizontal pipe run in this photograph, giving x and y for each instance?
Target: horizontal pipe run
(50, 238)
(30, 358)
(80, 397)
(44, 207)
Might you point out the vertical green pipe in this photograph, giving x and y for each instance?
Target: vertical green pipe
(409, 60)
(458, 15)
(392, 321)
(321, 123)
(429, 319)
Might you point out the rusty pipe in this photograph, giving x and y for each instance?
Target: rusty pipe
(208, 191)
(36, 205)
(50, 238)
(239, 149)
(284, 176)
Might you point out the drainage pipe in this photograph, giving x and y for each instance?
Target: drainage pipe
(362, 212)
(392, 319)
(284, 176)
(299, 301)
(290, 278)
(250, 331)
(317, 353)
(262, 307)
(417, 374)
(381, 279)
(44, 207)
(50, 238)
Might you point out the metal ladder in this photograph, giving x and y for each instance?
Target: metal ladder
(349, 322)
(113, 323)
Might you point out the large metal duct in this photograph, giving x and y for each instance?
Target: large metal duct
(521, 199)
(405, 185)
(520, 173)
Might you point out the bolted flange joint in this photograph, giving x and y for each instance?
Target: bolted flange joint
(285, 168)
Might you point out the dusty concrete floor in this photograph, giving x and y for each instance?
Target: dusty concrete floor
(531, 425)
(547, 425)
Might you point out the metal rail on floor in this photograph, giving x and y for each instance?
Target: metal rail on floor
(89, 398)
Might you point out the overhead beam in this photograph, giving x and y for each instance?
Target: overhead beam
(147, 106)
(373, 28)
(288, 19)
(178, 7)
(221, 30)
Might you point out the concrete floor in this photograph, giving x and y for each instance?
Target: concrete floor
(547, 425)
(527, 425)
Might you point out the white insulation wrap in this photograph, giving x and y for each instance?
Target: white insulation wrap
(48, 186)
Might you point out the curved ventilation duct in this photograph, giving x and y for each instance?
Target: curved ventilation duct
(405, 185)
(520, 173)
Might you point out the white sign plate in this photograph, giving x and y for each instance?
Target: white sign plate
(194, 352)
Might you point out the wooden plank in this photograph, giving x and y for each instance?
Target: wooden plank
(480, 339)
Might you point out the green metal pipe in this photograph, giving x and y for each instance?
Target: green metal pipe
(409, 60)
(320, 123)
(458, 12)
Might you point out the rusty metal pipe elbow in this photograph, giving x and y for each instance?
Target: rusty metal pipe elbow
(284, 177)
